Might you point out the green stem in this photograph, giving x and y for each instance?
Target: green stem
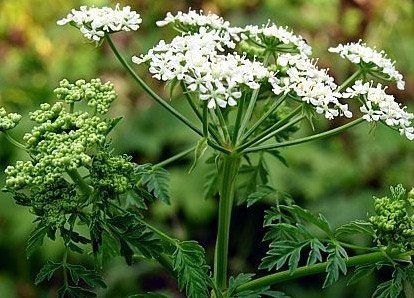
(229, 171)
(240, 109)
(14, 141)
(148, 90)
(287, 275)
(223, 124)
(77, 178)
(252, 102)
(273, 108)
(270, 129)
(175, 157)
(205, 119)
(280, 129)
(350, 80)
(322, 135)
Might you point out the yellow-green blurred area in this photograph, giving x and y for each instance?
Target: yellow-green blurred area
(337, 176)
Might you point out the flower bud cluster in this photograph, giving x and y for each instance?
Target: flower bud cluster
(380, 106)
(370, 59)
(96, 94)
(393, 221)
(112, 174)
(52, 202)
(8, 121)
(59, 142)
(94, 22)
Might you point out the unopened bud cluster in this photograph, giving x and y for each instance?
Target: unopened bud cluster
(393, 221)
(62, 140)
(112, 174)
(8, 121)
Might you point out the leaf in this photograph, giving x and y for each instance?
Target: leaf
(316, 247)
(336, 263)
(47, 271)
(148, 295)
(210, 186)
(276, 154)
(198, 152)
(355, 227)
(263, 192)
(130, 231)
(74, 292)
(242, 278)
(282, 252)
(35, 239)
(394, 287)
(114, 123)
(91, 277)
(191, 268)
(157, 181)
(360, 272)
(135, 198)
(319, 221)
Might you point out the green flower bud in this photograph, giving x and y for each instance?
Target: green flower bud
(8, 121)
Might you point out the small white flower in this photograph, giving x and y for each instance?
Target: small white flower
(378, 62)
(311, 84)
(94, 22)
(193, 20)
(201, 62)
(380, 106)
(271, 35)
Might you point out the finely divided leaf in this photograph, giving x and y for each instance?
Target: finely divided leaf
(91, 277)
(35, 239)
(157, 180)
(191, 268)
(319, 221)
(47, 271)
(336, 264)
(355, 227)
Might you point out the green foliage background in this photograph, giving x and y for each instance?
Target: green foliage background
(336, 176)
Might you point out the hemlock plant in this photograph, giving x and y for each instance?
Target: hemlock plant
(250, 88)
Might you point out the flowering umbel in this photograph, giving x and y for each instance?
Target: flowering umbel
(95, 22)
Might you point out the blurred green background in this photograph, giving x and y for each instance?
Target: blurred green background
(337, 177)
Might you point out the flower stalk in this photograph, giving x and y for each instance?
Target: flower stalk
(230, 169)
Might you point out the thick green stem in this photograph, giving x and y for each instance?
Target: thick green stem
(148, 90)
(318, 136)
(279, 277)
(230, 169)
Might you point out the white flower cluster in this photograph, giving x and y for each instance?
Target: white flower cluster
(271, 35)
(313, 85)
(94, 22)
(193, 20)
(200, 62)
(380, 106)
(377, 62)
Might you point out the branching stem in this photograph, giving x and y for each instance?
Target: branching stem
(319, 136)
(148, 90)
(369, 258)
